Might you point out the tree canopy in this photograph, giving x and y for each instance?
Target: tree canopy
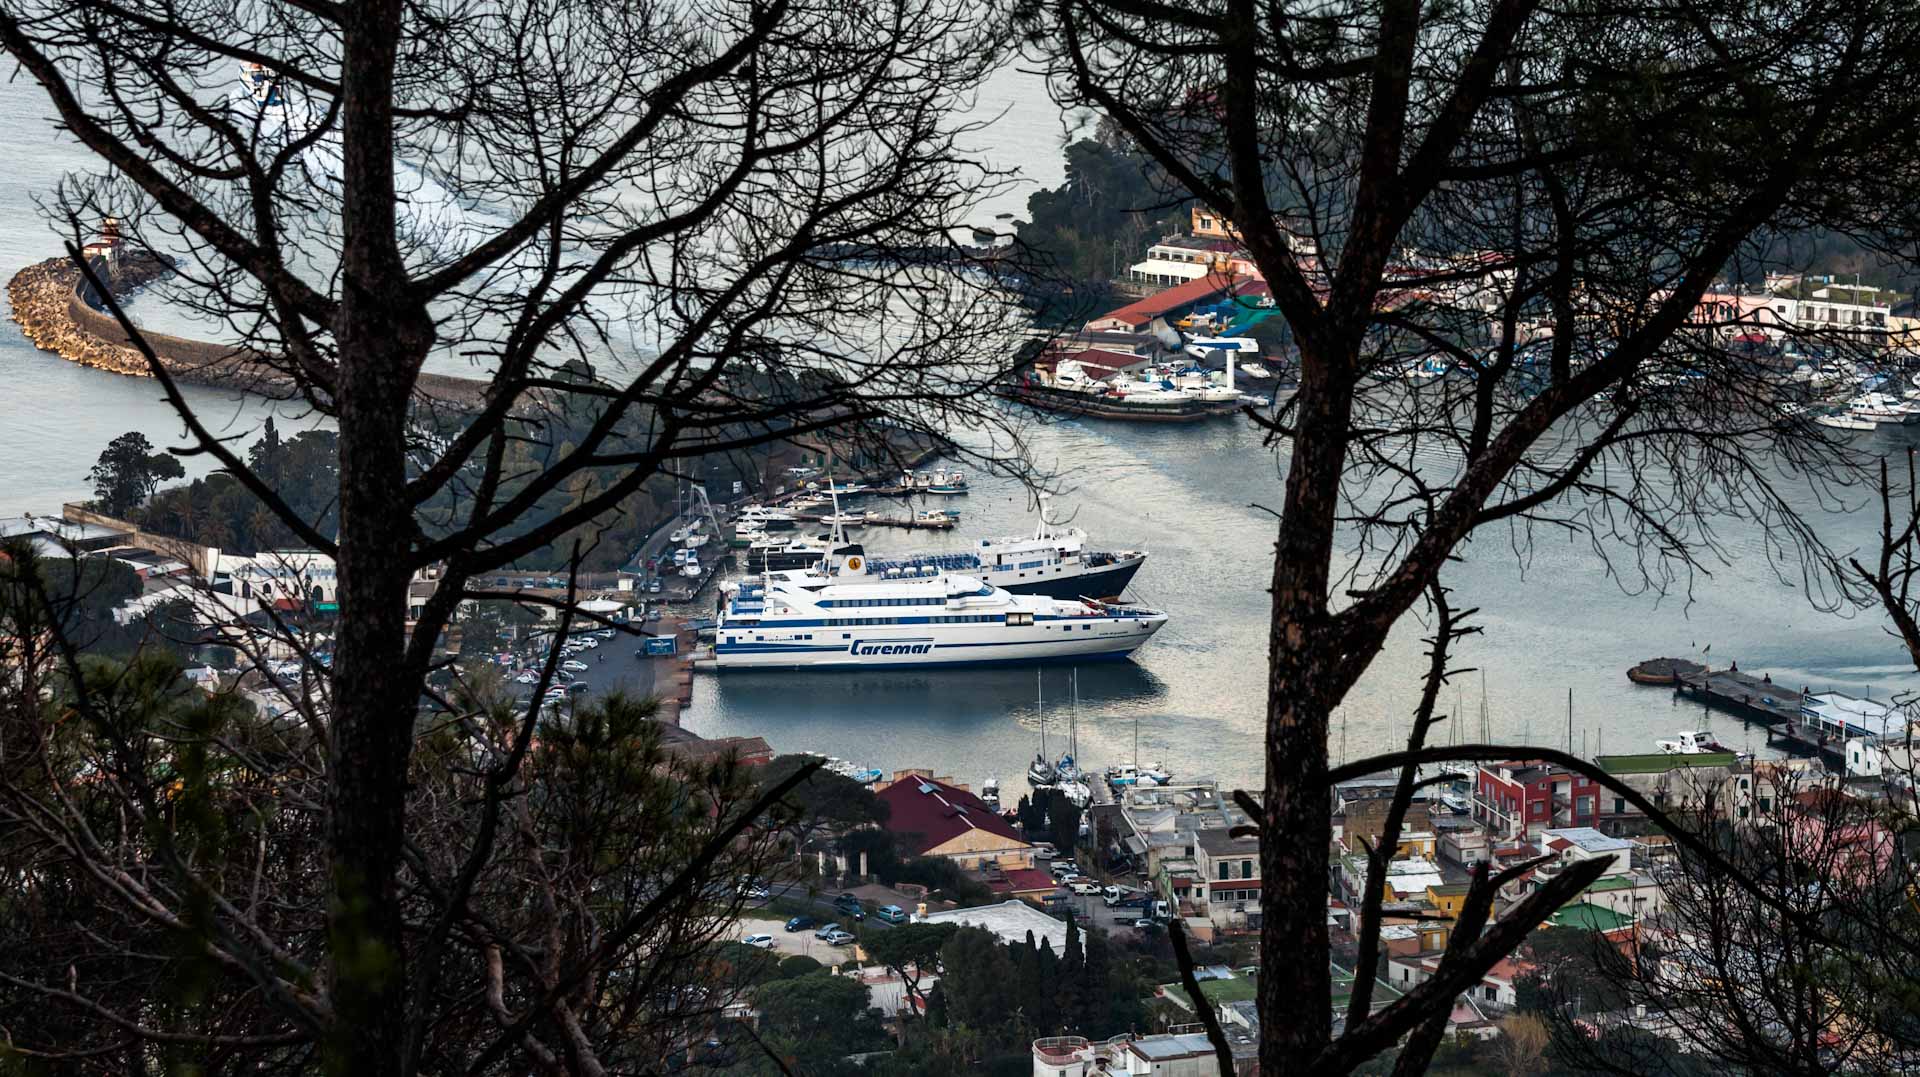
(128, 471)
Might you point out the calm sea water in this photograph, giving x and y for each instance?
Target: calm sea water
(1194, 695)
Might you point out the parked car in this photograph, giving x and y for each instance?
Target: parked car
(529, 677)
(577, 686)
(1146, 925)
(892, 914)
(840, 938)
(1044, 850)
(574, 665)
(754, 891)
(800, 923)
(825, 930)
(1083, 887)
(760, 942)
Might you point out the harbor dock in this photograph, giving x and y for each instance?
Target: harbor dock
(1751, 697)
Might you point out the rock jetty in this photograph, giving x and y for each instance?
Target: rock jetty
(47, 304)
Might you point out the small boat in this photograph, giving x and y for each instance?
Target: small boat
(1427, 368)
(1076, 792)
(692, 568)
(678, 537)
(680, 555)
(1066, 770)
(990, 792)
(1692, 742)
(845, 519)
(696, 540)
(1255, 370)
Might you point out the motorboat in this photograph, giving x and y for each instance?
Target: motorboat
(990, 792)
(1126, 774)
(1255, 370)
(1844, 421)
(1075, 791)
(1692, 742)
(762, 518)
(696, 540)
(845, 519)
(859, 621)
(1207, 347)
(1065, 769)
(678, 537)
(785, 554)
(1883, 408)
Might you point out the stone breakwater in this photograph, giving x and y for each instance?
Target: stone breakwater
(47, 305)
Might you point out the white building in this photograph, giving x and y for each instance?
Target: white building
(1011, 920)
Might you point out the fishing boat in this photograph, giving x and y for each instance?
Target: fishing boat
(934, 518)
(1255, 370)
(845, 519)
(858, 621)
(678, 537)
(990, 792)
(696, 540)
(947, 482)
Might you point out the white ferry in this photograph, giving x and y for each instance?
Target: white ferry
(853, 620)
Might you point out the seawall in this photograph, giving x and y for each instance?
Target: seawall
(46, 303)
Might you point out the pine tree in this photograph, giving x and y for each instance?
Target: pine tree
(1072, 995)
(937, 1006)
(1098, 986)
(1050, 1011)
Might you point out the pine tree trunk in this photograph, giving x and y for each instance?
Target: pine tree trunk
(1295, 986)
(382, 335)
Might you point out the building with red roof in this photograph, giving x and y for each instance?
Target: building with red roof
(931, 818)
(1141, 314)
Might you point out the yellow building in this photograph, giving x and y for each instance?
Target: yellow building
(1449, 899)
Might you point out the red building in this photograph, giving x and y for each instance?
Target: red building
(1518, 798)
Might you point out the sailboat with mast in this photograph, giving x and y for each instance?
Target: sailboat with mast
(1068, 777)
(1040, 773)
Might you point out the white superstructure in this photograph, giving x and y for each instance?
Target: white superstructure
(857, 620)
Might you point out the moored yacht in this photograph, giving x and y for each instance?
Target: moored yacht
(854, 620)
(1052, 561)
